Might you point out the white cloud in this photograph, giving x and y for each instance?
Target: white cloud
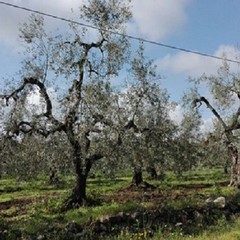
(58, 6)
(11, 18)
(152, 19)
(37, 104)
(207, 125)
(34, 98)
(195, 65)
(158, 19)
(176, 114)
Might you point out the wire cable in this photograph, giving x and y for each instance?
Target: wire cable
(120, 34)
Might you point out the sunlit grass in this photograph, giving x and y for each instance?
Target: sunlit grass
(46, 201)
(222, 231)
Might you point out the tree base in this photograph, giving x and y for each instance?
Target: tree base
(73, 203)
(233, 184)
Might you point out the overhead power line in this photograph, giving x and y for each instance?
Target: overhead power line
(120, 34)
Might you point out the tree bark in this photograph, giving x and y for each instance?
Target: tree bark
(235, 170)
(82, 169)
(79, 190)
(137, 177)
(78, 196)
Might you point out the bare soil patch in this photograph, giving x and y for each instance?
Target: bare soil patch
(20, 206)
(155, 195)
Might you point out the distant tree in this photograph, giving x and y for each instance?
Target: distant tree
(73, 63)
(215, 149)
(32, 155)
(186, 145)
(146, 111)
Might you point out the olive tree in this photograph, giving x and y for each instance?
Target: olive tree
(70, 62)
(186, 150)
(146, 112)
(214, 148)
(224, 105)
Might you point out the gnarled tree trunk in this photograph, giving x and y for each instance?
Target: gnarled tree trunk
(235, 173)
(82, 169)
(78, 196)
(228, 130)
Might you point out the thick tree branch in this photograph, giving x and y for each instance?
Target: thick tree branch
(43, 91)
(13, 95)
(28, 127)
(227, 129)
(131, 125)
(44, 94)
(91, 160)
(77, 85)
(212, 109)
(58, 126)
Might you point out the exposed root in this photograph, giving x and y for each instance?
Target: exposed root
(73, 202)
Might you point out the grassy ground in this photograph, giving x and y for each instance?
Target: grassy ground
(28, 209)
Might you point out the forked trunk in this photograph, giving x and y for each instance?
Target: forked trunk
(235, 171)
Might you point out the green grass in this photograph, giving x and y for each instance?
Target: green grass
(82, 215)
(44, 201)
(221, 231)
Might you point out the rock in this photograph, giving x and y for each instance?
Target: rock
(104, 219)
(209, 201)
(40, 237)
(136, 215)
(179, 224)
(123, 215)
(220, 202)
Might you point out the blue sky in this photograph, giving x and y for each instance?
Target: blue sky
(212, 23)
(207, 26)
